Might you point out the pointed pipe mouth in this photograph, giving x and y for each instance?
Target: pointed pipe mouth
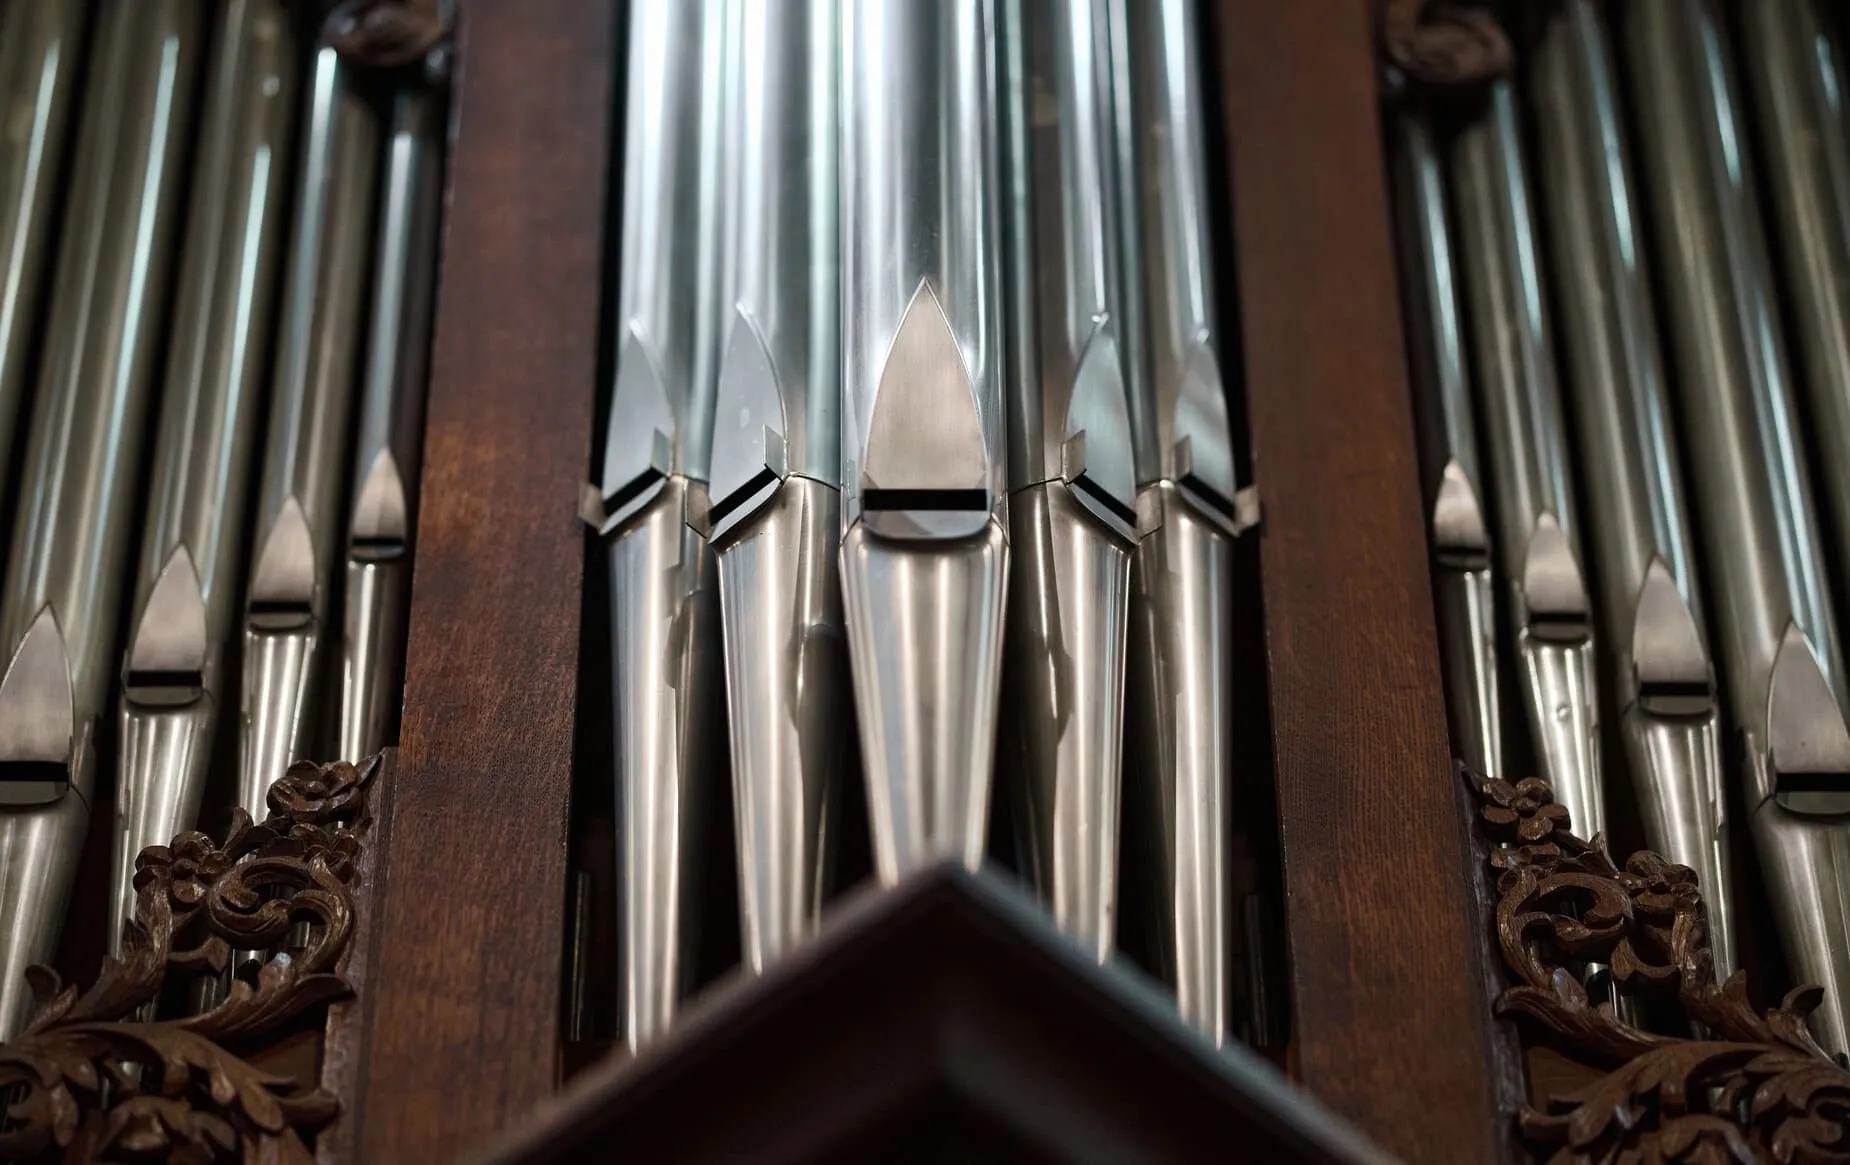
(380, 548)
(1678, 699)
(25, 783)
(1814, 794)
(925, 501)
(275, 616)
(1104, 497)
(630, 498)
(758, 486)
(156, 688)
(1568, 628)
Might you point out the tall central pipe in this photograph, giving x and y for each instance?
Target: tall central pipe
(924, 551)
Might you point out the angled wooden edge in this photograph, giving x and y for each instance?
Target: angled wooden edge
(459, 1032)
(949, 999)
(1388, 1003)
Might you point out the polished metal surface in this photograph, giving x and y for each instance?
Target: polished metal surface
(1781, 667)
(1064, 679)
(1646, 595)
(1179, 749)
(1535, 536)
(789, 702)
(1070, 461)
(777, 461)
(671, 748)
(666, 647)
(1179, 653)
(73, 534)
(193, 538)
(779, 380)
(1457, 527)
(927, 699)
(306, 454)
(1179, 418)
(391, 423)
(1793, 51)
(41, 46)
(661, 412)
(924, 554)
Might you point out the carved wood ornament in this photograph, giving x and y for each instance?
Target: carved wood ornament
(1748, 1087)
(388, 34)
(1444, 45)
(92, 1081)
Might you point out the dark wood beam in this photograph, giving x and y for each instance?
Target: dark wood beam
(461, 1012)
(1389, 1016)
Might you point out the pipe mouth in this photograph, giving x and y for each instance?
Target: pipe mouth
(756, 488)
(381, 549)
(25, 783)
(156, 688)
(1814, 794)
(1678, 699)
(278, 616)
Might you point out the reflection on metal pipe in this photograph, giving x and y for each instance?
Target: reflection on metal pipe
(1646, 597)
(193, 541)
(1776, 636)
(391, 424)
(924, 553)
(1795, 67)
(777, 463)
(74, 531)
(1457, 527)
(311, 412)
(40, 45)
(1188, 508)
(1071, 516)
(652, 508)
(1536, 537)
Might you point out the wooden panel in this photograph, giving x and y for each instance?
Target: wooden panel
(460, 1034)
(1390, 1025)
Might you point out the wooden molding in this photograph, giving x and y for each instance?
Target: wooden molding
(943, 1019)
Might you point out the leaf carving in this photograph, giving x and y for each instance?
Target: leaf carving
(93, 1079)
(1755, 1088)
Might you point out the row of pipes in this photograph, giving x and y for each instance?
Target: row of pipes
(1628, 274)
(217, 250)
(919, 464)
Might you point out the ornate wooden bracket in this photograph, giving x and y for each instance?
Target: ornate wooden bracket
(390, 34)
(1442, 44)
(92, 1081)
(1750, 1087)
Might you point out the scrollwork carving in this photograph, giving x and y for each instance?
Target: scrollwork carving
(1749, 1087)
(91, 1080)
(387, 34)
(1444, 44)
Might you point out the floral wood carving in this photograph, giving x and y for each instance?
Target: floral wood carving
(1752, 1088)
(388, 34)
(1443, 44)
(92, 1080)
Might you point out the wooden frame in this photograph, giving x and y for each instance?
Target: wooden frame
(456, 1034)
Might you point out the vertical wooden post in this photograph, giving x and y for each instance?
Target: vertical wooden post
(461, 1011)
(1390, 1022)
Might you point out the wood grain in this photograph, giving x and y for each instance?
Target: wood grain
(1390, 1020)
(461, 1028)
